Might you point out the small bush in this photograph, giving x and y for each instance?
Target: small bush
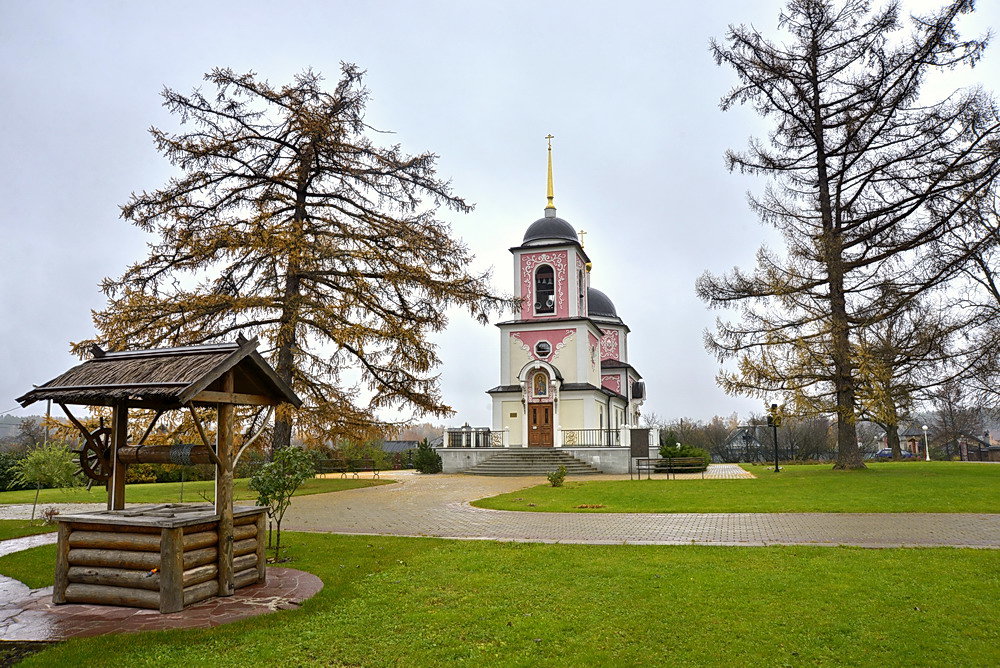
(557, 477)
(673, 450)
(8, 471)
(140, 473)
(276, 482)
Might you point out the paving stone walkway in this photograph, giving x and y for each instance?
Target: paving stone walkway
(438, 505)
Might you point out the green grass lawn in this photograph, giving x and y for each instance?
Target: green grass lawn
(420, 602)
(18, 528)
(34, 567)
(170, 492)
(911, 487)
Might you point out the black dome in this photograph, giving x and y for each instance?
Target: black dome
(599, 305)
(550, 228)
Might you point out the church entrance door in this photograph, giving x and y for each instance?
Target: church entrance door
(539, 425)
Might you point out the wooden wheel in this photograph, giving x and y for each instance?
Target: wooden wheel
(95, 455)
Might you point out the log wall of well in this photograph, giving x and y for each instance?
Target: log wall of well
(151, 561)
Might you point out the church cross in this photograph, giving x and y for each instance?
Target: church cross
(582, 234)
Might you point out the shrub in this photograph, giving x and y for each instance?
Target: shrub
(673, 450)
(557, 477)
(140, 473)
(8, 471)
(426, 460)
(276, 482)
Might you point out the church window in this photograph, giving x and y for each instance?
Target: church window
(545, 299)
(581, 290)
(540, 384)
(543, 349)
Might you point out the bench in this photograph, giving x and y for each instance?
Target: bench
(668, 465)
(348, 467)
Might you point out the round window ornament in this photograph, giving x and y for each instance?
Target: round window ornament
(543, 349)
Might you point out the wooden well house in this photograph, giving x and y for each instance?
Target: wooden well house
(165, 556)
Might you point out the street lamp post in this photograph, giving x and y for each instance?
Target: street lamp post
(927, 451)
(774, 419)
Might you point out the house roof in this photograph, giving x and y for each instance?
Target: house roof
(618, 364)
(399, 446)
(168, 378)
(565, 387)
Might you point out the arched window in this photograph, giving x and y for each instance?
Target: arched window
(545, 284)
(581, 290)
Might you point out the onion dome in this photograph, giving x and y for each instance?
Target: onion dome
(550, 229)
(600, 306)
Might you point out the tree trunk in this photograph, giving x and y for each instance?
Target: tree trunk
(38, 488)
(286, 342)
(892, 436)
(848, 453)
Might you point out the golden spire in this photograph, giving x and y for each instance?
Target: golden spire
(549, 193)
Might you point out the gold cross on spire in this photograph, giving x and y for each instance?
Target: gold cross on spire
(549, 192)
(582, 233)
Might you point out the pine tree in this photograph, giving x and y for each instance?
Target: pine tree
(289, 222)
(868, 178)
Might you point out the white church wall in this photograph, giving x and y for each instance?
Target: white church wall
(564, 359)
(571, 414)
(512, 424)
(602, 418)
(518, 357)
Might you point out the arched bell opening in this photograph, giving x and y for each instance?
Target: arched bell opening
(545, 289)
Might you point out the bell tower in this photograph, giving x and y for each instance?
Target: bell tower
(550, 267)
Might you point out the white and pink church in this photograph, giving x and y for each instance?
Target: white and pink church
(565, 377)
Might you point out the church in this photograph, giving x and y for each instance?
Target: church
(565, 378)
(564, 361)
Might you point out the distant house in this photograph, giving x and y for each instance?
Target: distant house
(911, 437)
(393, 447)
(400, 452)
(742, 445)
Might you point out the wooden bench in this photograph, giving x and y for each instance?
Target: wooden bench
(347, 467)
(669, 465)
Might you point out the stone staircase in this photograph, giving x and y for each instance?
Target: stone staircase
(531, 461)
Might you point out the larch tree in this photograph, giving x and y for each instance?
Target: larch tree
(903, 360)
(866, 176)
(976, 297)
(288, 222)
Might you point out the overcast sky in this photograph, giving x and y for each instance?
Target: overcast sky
(627, 88)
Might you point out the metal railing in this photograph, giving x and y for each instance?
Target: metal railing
(591, 438)
(475, 437)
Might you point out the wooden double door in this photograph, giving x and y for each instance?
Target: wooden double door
(540, 425)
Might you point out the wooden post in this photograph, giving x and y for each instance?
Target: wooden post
(62, 565)
(119, 438)
(172, 569)
(224, 490)
(261, 548)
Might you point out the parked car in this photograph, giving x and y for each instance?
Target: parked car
(886, 453)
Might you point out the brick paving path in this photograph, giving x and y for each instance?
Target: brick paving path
(438, 505)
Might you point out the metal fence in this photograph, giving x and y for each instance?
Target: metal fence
(475, 437)
(591, 438)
